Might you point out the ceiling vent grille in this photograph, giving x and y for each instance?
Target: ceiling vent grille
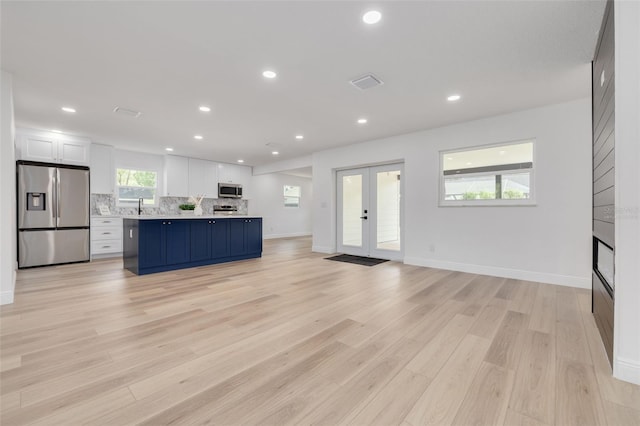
(366, 82)
(125, 111)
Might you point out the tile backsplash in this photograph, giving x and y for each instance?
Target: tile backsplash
(167, 205)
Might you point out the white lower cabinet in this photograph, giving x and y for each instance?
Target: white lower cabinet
(106, 237)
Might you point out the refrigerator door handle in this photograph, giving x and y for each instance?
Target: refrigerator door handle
(57, 197)
(54, 199)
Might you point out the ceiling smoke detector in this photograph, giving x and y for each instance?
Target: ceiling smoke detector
(129, 112)
(366, 82)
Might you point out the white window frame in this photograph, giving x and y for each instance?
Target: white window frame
(284, 200)
(156, 201)
(500, 202)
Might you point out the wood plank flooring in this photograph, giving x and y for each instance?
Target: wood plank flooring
(294, 339)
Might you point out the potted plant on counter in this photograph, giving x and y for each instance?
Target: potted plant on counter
(186, 209)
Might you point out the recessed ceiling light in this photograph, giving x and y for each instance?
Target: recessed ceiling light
(269, 74)
(240, 161)
(372, 17)
(503, 152)
(56, 131)
(275, 152)
(68, 109)
(204, 108)
(299, 137)
(362, 121)
(199, 137)
(469, 163)
(453, 98)
(449, 158)
(169, 149)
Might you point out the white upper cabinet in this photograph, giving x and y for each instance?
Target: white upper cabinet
(176, 176)
(203, 178)
(103, 176)
(231, 173)
(38, 145)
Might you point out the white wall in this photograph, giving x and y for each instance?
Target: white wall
(549, 242)
(7, 192)
(626, 348)
(284, 165)
(268, 201)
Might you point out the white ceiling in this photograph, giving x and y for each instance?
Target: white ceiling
(167, 58)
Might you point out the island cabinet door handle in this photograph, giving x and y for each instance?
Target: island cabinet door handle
(169, 223)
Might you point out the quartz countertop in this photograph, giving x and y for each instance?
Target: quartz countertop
(176, 217)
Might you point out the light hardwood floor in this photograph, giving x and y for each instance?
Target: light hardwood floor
(292, 338)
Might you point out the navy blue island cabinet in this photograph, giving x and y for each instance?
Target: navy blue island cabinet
(156, 245)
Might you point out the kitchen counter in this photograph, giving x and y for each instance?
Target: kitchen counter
(179, 216)
(164, 243)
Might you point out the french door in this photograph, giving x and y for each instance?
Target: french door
(370, 212)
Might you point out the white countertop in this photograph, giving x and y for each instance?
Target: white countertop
(176, 217)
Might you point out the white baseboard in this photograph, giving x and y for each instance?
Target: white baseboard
(518, 274)
(627, 370)
(6, 297)
(294, 234)
(321, 249)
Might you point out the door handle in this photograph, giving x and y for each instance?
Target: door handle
(363, 217)
(57, 196)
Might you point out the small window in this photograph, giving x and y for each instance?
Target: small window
(495, 175)
(292, 196)
(135, 184)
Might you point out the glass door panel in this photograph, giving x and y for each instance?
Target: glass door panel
(353, 201)
(351, 209)
(388, 210)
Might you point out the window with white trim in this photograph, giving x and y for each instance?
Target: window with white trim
(492, 175)
(292, 195)
(131, 185)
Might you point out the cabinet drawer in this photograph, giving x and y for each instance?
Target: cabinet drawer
(106, 221)
(106, 246)
(100, 233)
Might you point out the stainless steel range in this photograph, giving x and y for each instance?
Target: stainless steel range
(230, 210)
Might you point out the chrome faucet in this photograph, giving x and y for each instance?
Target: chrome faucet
(140, 201)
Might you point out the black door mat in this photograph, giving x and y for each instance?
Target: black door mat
(358, 260)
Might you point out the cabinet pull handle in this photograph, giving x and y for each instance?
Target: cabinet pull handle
(169, 223)
(131, 233)
(106, 233)
(106, 246)
(164, 223)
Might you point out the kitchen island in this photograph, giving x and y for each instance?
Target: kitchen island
(164, 243)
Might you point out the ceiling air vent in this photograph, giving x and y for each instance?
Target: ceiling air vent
(366, 82)
(125, 111)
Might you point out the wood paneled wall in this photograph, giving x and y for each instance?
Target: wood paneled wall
(603, 96)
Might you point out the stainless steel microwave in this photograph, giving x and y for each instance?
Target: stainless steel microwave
(229, 190)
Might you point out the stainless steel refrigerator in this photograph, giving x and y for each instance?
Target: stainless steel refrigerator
(53, 214)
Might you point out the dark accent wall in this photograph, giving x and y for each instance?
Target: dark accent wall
(603, 99)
